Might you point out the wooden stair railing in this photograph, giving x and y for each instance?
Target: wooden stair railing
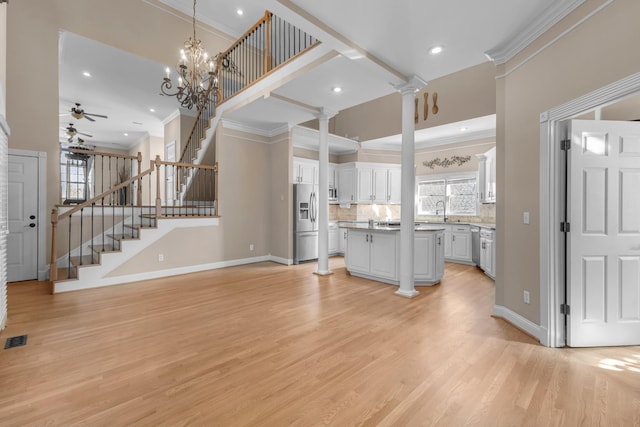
(101, 223)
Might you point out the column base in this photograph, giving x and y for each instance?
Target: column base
(323, 273)
(407, 294)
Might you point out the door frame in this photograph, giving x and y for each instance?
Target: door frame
(41, 156)
(552, 264)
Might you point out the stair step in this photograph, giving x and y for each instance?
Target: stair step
(86, 260)
(139, 226)
(104, 248)
(120, 237)
(63, 275)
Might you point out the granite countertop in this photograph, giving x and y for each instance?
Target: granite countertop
(425, 227)
(429, 224)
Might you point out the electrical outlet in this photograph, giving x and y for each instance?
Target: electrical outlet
(525, 218)
(251, 247)
(160, 257)
(527, 297)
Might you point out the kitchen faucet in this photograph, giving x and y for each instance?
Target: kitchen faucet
(444, 210)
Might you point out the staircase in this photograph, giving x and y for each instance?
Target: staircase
(133, 208)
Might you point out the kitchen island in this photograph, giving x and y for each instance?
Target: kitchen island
(374, 253)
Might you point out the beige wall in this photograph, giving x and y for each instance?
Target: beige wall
(281, 196)
(580, 62)
(469, 148)
(467, 94)
(246, 191)
(32, 59)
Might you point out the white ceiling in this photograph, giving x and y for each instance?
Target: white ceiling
(377, 44)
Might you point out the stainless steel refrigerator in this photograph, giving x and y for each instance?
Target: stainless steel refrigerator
(305, 222)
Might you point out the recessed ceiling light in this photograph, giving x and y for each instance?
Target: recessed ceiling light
(126, 134)
(464, 129)
(436, 50)
(337, 89)
(240, 12)
(152, 110)
(86, 74)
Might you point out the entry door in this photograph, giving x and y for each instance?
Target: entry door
(22, 242)
(170, 188)
(603, 250)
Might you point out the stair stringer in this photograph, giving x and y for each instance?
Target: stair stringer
(96, 275)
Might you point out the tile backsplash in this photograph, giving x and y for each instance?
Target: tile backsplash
(486, 214)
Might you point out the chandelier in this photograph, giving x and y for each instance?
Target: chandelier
(197, 74)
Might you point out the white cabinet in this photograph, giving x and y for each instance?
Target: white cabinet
(334, 234)
(394, 185)
(332, 172)
(347, 184)
(342, 240)
(457, 245)
(428, 262)
(305, 171)
(487, 176)
(487, 252)
(373, 253)
(378, 184)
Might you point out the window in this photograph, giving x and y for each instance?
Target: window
(75, 177)
(458, 193)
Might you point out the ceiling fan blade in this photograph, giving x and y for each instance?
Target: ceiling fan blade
(86, 116)
(96, 115)
(85, 134)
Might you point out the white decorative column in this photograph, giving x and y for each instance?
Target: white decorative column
(323, 194)
(408, 181)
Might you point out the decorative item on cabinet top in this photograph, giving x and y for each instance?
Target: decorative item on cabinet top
(447, 161)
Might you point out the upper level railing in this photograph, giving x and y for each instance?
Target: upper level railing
(268, 44)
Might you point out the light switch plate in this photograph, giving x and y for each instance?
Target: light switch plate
(525, 217)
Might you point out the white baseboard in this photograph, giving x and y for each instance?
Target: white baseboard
(118, 280)
(518, 321)
(280, 260)
(3, 322)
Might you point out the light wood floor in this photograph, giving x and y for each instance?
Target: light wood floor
(270, 345)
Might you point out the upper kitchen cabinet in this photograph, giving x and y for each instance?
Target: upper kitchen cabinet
(347, 183)
(305, 171)
(487, 176)
(378, 183)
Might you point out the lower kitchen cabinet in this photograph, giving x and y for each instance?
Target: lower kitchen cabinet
(457, 243)
(487, 252)
(342, 240)
(372, 253)
(334, 234)
(428, 261)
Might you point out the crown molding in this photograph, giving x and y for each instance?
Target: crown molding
(243, 127)
(551, 16)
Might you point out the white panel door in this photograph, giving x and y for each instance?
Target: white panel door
(22, 242)
(365, 185)
(394, 190)
(358, 251)
(603, 247)
(379, 185)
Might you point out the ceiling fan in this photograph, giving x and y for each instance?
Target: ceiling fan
(79, 113)
(71, 131)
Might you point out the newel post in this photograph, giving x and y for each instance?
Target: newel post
(53, 265)
(158, 201)
(267, 42)
(219, 73)
(139, 191)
